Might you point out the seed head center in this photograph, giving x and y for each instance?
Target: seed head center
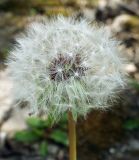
(64, 67)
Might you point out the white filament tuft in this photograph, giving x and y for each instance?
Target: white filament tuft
(64, 64)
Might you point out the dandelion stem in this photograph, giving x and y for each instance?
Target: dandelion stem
(72, 137)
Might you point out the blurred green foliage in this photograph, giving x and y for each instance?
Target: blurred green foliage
(131, 124)
(134, 84)
(60, 137)
(39, 131)
(43, 148)
(27, 136)
(3, 54)
(35, 122)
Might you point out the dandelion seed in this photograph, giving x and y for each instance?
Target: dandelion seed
(59, 70)
(76, 74)
(70, 54)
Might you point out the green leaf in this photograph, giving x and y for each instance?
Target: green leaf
(38, 132)
(50, 121)
(35, 122)
(131, 124)
(134, 84)
(60, 137)
(26, 136)
(63, 122)
(43, 148)
(63, 118)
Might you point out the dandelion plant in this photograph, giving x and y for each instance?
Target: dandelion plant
(66, 65)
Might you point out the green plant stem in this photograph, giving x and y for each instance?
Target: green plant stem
(72, 137)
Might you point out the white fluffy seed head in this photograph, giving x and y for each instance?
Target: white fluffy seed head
(64, 64)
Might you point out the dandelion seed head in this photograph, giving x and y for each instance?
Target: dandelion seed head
(64, 64)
